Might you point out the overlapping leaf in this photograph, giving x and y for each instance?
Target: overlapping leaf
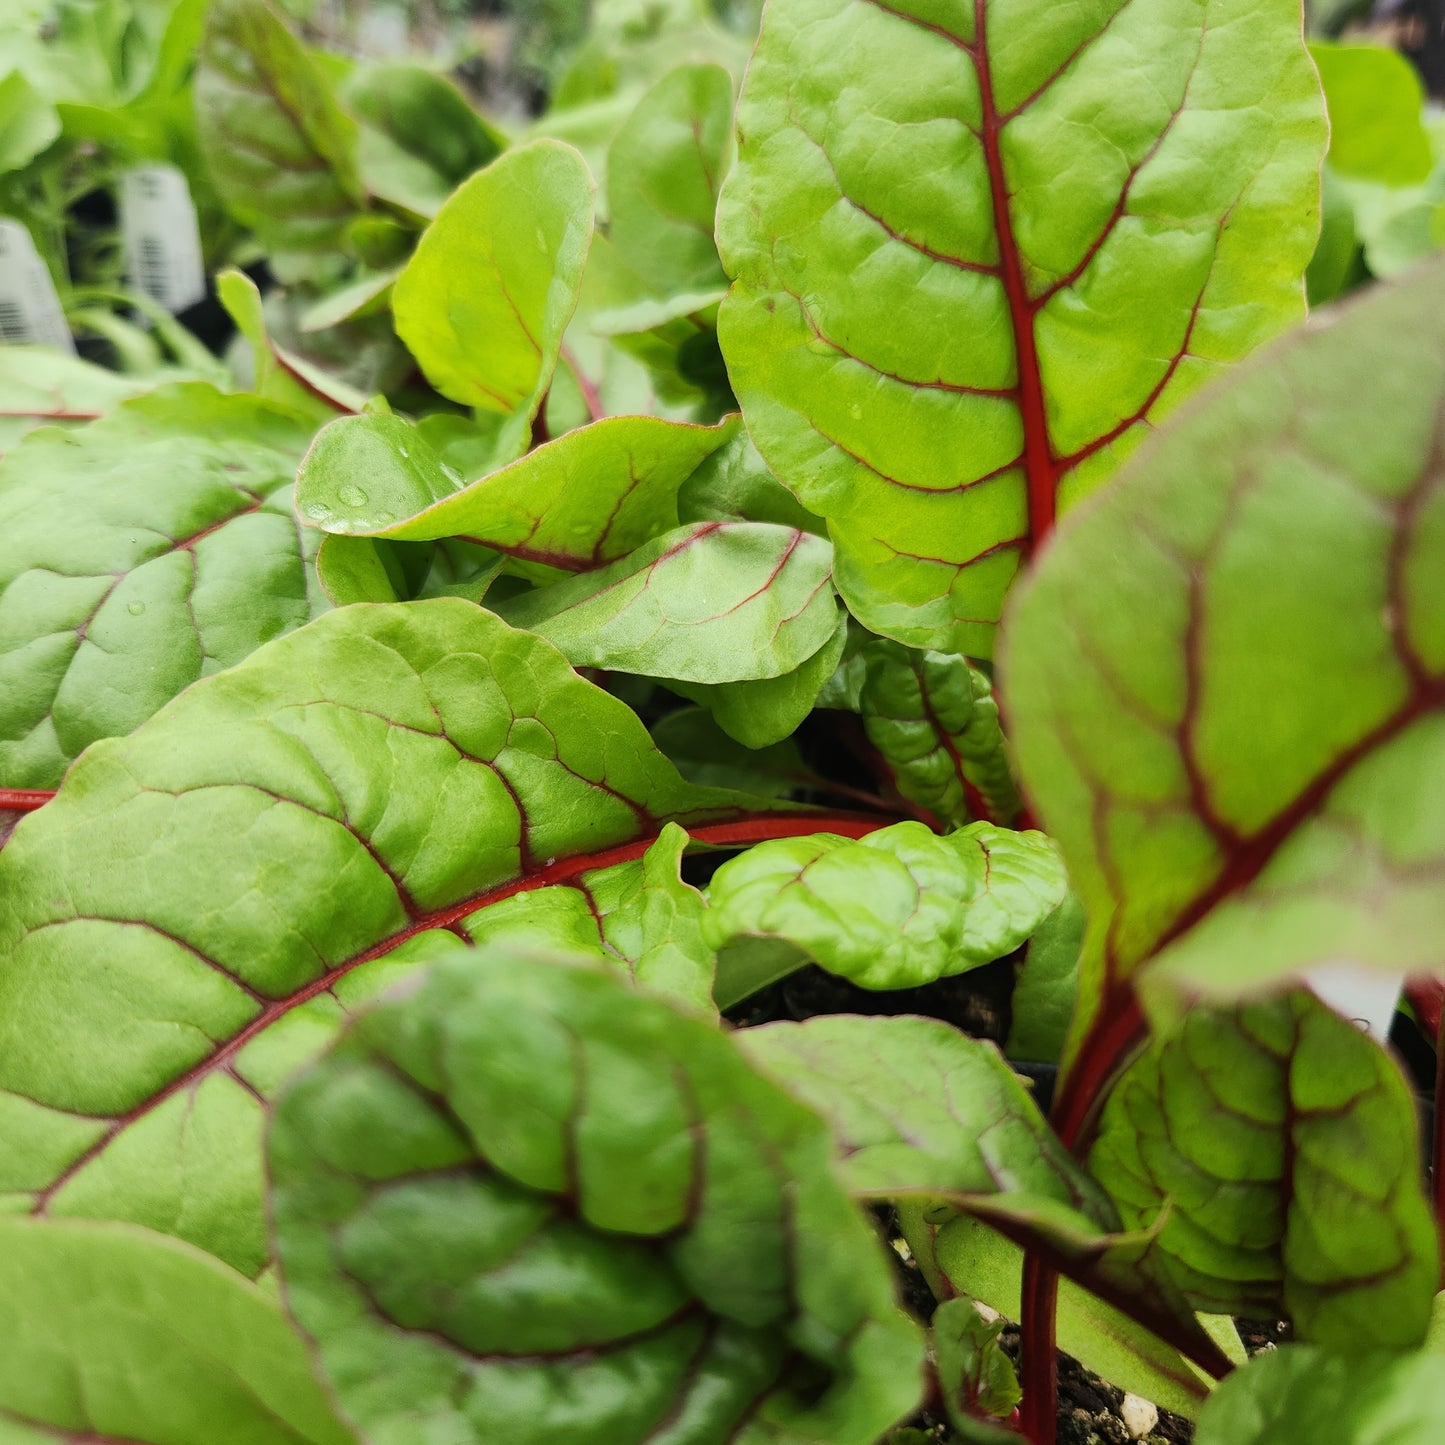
(896, 909)
(1280, 1144)
(483, 302)
(664, 168)
(203, 900)
(579, 502)
(967, 289)
(525, 1202)
(935, 724)
(109, 1333)
(923, 1114)
(279, 148)
(920, 1109)
(1227, 680)
(1296, 1395)
(142, 552)
(713, 602)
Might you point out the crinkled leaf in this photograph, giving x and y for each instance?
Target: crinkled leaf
(639, 915)
(1047, 985)
(110, 1333)
(964, 294)
(897, 909)
(579, 502)
(1280, 1142)
(483, 302)
(1235, 800)
(1374, 98)
(149, 549)
(664, 168)
(203, 901)
(767, 710)
(523, 1202)
(714, 602)
(279, 148)
(1297, 1395)
(921, 1109)
(934, 720)
(962, 1254)
(976, 1377)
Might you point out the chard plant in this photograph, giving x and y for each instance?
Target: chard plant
(793, 542)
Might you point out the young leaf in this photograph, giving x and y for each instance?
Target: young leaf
(961, 1254)
(280, 375)
(524, 1202)
(896, 909)
(767, 710)
(735, 485)
(579, 502)
(976, 1377)
(1375, 98)
(714, 602)
(279, 148)
(639, 915)
(966, 293)
(370, 569)
(707, 756)
(483, 302)
(934, 720)
(371, 779)
(1280, 1143)
(110, 1333)
(149, 549)
(1297, 1395)
(1046, 986)
(42, 386)
(921, 1109)
(1227, 679)
(663, 171)
(921, 1112)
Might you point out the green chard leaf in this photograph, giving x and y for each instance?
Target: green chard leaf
(977, 1379)
(964, 295)
(279, 148)
(1374, 98)
(142, 552)
(577, 503)
(713, 602)
(1279, 1142)
(1238, 803)
(485, 298)
(937, 1122)
(43, 386)
(110, 1333)
(338, 799)
(1046, 986)
(523, 1203)
(920, 1109)
(1298, 1394)
(706, 755)
(935, 723)
(664, 168)
(764, 711)
(896, 909)
(735, 485)
(639, 914)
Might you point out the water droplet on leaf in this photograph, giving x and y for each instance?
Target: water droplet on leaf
(135, 608)
(352, 496)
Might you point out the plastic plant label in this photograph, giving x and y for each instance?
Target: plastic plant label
(161, 237)
(29, 307)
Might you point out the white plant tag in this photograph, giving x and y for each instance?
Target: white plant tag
(29, 307)
(160, 236)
